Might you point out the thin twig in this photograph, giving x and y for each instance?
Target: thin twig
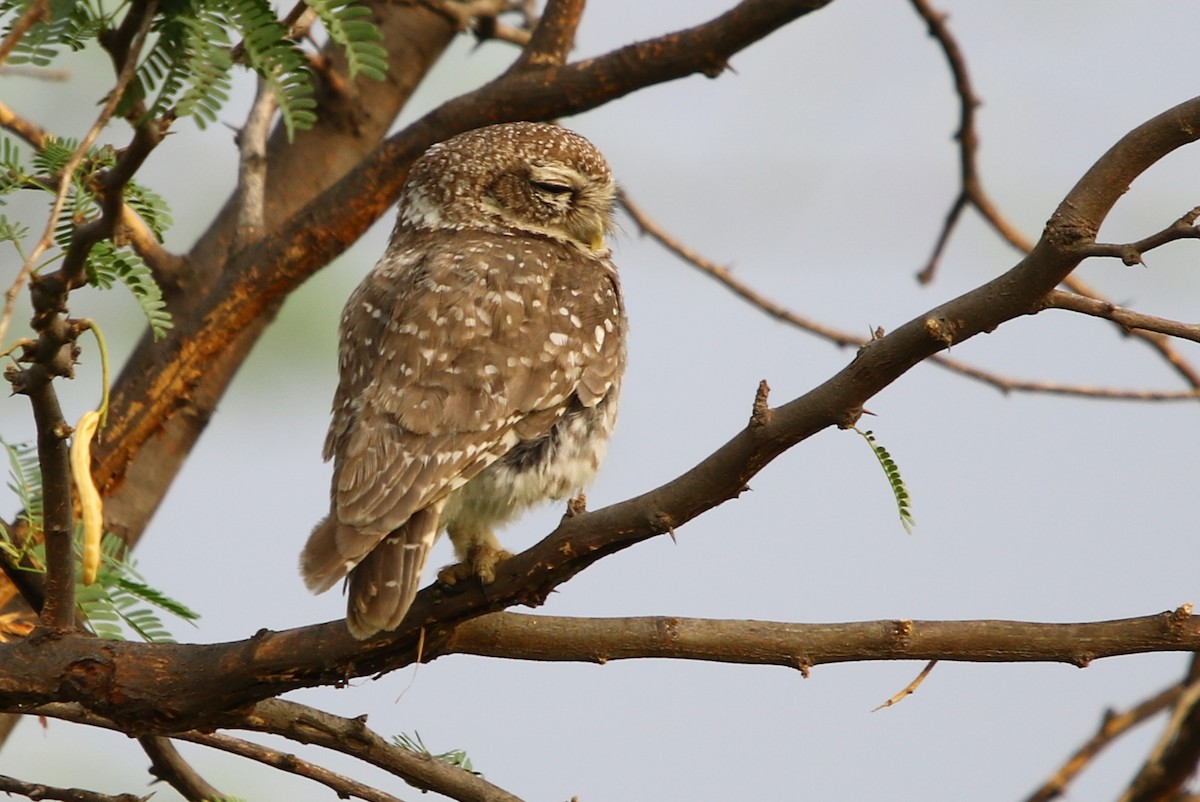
(344, 786)
(1159, 342)
(1131, 253)
(1004, 384)
(1127, 319)
(972, 192)
(169, 766)
(910, 688)
(1112, 727)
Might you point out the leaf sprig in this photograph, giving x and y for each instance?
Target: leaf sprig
(892, 471)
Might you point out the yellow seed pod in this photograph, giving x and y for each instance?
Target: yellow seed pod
(90, 505)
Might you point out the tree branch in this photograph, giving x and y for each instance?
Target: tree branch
(1174, 758)
(1127, 319)
(9, 785)
(598, 640)
(972, 192)
(345, 787)
(58, 525)
(307, 725)
(725, 277)
(553, 38)
(169, 766)
(1131, 253)
(1112, 727)
(170, 688)
(352, 737)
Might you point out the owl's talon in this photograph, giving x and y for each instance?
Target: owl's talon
(480, 563)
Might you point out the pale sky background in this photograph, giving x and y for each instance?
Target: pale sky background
(820, 171)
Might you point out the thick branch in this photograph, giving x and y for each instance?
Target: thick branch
(599, 640)
(171, 688)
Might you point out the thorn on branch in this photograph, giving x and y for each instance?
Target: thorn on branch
(664, 524)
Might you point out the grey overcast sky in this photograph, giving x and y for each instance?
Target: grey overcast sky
(820, 170)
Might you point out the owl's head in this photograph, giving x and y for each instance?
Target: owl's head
(531, 178)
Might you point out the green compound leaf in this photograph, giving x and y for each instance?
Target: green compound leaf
(107, 265)
(892, 471)
(347, 25)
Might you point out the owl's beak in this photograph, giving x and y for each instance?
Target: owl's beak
(589, 231)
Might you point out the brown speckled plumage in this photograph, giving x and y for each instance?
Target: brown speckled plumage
(480, 364)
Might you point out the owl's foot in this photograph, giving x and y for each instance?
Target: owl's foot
(480, 563)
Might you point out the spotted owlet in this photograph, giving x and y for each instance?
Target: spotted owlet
(480, 362)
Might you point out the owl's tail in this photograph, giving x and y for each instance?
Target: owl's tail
(384, 582)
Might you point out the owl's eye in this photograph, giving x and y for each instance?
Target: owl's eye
(557, 190)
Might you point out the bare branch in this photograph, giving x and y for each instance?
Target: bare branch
(169, 766)
(598, 640)
(9, 785)
(1159, 342)
(553, 37)
(345, 787)
(1173, 759)
(307, 725)
(1004, 384)
(1112, 727)
(1131, 253)
(968, 139)
(972, 192)
(352, 737)
(1127, 319)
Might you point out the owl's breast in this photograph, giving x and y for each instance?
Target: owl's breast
(553, 467)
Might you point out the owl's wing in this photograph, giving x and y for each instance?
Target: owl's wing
(453, 370)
